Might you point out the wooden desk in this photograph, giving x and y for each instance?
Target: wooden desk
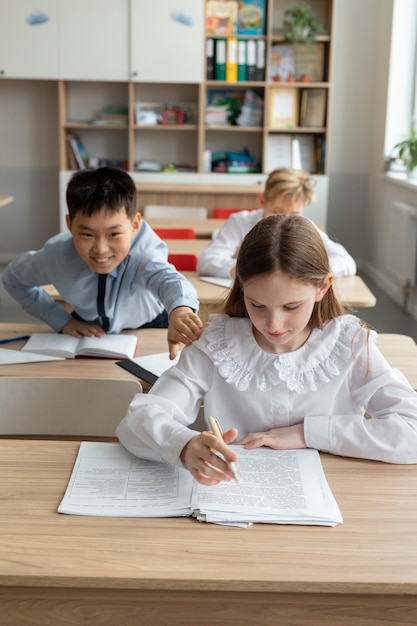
(5, 200)
(187, 246)
(400, 352)
(150, 341)
(203, 228)
(73, 570)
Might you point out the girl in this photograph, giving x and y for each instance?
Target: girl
(286, 191)
(284, 366)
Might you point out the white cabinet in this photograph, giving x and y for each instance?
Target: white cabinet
(29, 39)
(166, 41)
(93, 42)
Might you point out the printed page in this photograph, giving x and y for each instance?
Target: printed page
(156, 363)
(278, 486)
(109, 481)
(51, 343)
(121, 346)
(8, 357)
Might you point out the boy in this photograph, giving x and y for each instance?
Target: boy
(286, 191)
(111, 268)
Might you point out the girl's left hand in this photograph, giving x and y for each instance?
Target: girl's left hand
(285, 438)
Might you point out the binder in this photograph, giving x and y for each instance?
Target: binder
(241, 59)
(231, 61)
(260, 59)
(220, 63)
(209, 59)
(251, 60)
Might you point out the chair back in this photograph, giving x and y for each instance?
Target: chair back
(224, 214)
(175, 233)
(157, 210)
(70, 407)
(184, 262)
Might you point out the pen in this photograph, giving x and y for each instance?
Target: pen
(216, 430)
(12, 339)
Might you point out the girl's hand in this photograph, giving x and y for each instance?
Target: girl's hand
(285, 438)
(200, 457)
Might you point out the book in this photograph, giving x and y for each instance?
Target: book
(210, 58)
(313, 108)
(277, 487)
(79, 151)
(220, 60)
(251, 17)
(283, 111)
(222, 281)
(309, 61)
(111, 346)
(260, 59)
(293, 151)
(221, 18)
(251, 59)
(231, 60)
(281, 63)
(241, 59)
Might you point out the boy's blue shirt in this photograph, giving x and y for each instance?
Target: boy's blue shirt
(140, 288)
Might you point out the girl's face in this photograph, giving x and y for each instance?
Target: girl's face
(282, 204)
(280, 309)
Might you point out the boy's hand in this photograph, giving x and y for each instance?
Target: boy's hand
(184, 327)
(78, 329)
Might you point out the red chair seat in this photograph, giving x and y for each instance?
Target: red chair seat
(184, 262)
(175, 233)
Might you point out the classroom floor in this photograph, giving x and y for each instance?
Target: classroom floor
(386, 317)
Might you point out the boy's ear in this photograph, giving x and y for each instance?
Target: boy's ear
(136, 222)
(68, 222)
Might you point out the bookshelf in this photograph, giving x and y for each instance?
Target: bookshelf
(132, 142)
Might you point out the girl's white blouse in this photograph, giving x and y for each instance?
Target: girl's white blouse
(329, 383)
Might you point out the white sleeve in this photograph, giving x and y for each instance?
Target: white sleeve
(389, 434)
(156, 425)
(341, 263)
(220, 255)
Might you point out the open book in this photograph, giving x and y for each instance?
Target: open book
(277, 487)
(110, 346)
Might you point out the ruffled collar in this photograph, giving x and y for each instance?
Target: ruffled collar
(242, 363)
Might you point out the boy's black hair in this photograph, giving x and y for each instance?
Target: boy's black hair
(89, 191)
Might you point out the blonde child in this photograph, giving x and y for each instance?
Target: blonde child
(284, 367)
(286, 191)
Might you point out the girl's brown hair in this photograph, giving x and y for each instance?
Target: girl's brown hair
(291, 244)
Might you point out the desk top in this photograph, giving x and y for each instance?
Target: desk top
(6, 200)
(399, 350)
(374, 551)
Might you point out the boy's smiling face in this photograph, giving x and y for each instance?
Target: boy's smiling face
(103, 239)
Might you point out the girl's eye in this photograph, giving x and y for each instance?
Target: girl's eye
(292, 308)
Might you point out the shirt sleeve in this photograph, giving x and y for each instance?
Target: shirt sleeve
(23, 279)
(157, 424)
(219, 258)
(388, 431)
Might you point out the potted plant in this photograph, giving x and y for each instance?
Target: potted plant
(407, 151)
(300, 24)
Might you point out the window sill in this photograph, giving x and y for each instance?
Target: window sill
(401, 180)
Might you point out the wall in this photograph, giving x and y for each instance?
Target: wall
(28, 164)
(358, 193)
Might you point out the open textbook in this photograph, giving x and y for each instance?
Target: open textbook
(68, 347)
(277, 487)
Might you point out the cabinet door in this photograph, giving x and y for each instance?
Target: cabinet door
(29, 39)
(93, 40)
(167, 41)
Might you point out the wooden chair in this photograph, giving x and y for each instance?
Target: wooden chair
(184, 262)
(175, 233)
(156, 210)
(63, 407)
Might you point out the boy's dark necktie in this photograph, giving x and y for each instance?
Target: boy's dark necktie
(100, 301)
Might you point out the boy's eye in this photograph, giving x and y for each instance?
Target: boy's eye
(115, 234)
